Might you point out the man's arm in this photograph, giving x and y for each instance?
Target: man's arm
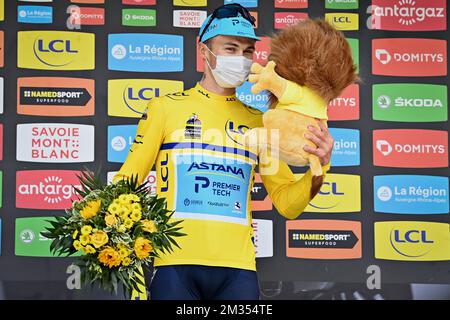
(289, 195)
(149, 136)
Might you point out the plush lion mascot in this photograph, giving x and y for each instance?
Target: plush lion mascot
(310, 64)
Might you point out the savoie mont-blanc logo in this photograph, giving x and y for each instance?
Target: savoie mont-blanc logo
(55, 142)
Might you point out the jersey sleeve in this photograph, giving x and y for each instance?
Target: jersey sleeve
(289, 195)
(144, 150)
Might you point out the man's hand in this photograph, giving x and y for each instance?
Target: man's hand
(323, 140)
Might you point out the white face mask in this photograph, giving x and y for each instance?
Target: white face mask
(230, 71)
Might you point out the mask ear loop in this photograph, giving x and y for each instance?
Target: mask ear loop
(207, 58)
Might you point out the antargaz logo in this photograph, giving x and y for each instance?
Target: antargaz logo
(46, 189)
(409, 15)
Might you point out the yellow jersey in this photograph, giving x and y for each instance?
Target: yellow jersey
(194, 139)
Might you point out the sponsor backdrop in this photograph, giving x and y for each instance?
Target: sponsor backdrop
(75, 77)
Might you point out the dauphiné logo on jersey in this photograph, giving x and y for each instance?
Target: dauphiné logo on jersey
(35, 14)
(284, 19)
(346, 150)
(343, 21)
(55, 96)
(409, 57)
(46, 189)
(410, 148)
(120, 139)
(258, 101)
(412, 241)
(341, 4)
(260, 198)
(130, 97)
(145, 52)
(410, 102)
(56, 50)
(412, 194)
(263, 237)
(408, 15)
(339, 193)
(55, 142)
(294, 4)
(193, 128)
(139, 2)
(150, 179)
(189, 18)
(139, 17)
(323, 239)
(346, 106)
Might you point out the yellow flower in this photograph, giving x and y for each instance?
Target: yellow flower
(148, 226)
(109, 257)
(77, 245)
(124, 199)
(136, 206)
(126, 210)
(142, 247)
(91, 209)
(110, 220)
(99, 238)
(85, 239)
(86, 230)
(114, 208)
(121, 245)
(126, 261)
(75, 234)
(128, 223)
(116, 201)
(136, 215)
(121, 228)
(89, 249)
(124, 252)
(134, 198)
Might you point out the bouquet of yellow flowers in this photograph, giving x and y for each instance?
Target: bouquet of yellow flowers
(118, 228)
